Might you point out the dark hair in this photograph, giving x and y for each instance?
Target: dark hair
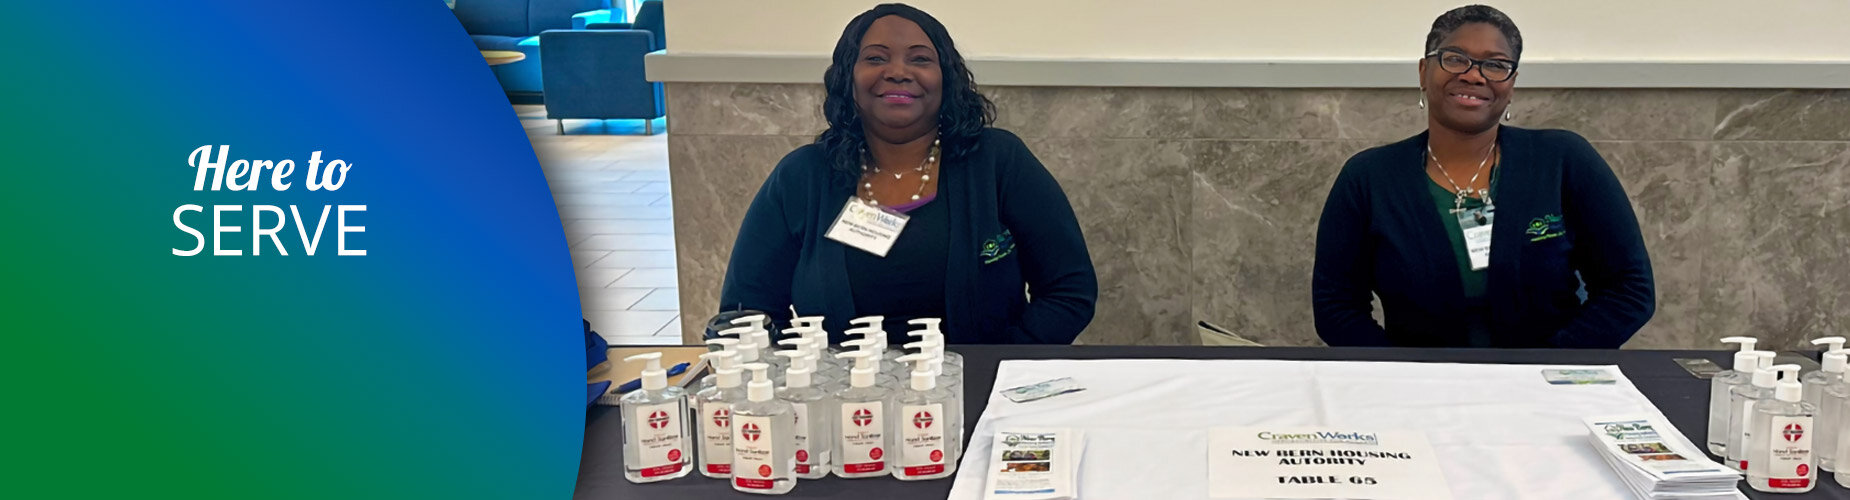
(962, 115)
(1453, 19)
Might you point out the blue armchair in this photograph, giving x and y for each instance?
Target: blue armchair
(597, 73)
(515, 25)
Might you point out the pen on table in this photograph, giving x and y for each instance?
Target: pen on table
(637, 383)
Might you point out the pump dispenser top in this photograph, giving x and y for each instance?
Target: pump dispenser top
(1768, 377)
(654, 378)
(747, 344)
(759, 389)
(1789, 389)
(722, 362)
(800, 369)
(930, 324)
(1836, 343)
(864, 368)
(806, 322)
(755, 330)
(1833, 357)
(923, 377)
(1744, 360)
(1836, 361)
(869, 333)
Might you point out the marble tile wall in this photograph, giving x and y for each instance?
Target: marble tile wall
(1202, 204)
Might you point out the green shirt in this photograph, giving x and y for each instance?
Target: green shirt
(1475, 282)
(1446, 201)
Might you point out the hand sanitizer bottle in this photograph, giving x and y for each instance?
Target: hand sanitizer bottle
(1843, 445)
(1827, 374)
(1721, 386)
(656, 436)
(921, 418)
(813, 412)
(763, 449)
(1781, 451)
(1830, 417)
(713, 410)
(1741, 409)
(860, 425)
(950, 383)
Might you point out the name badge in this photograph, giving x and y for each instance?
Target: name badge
(1476, 224)
(869, 228)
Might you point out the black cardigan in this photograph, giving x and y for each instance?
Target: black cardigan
(1560, 212)
(1010, 223)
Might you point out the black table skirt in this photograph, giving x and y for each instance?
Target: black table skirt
(1681, 397)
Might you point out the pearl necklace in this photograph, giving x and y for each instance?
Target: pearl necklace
(924, 169)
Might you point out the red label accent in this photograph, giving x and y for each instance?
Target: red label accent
(802, 455)
(674, 455)
(925, 470)
(719, 468)
(1804, 470)
(1793, 432)
(874, 454)
(866, 467)
(1788, 483)
(764, 470)
(937, 455)
(1743, 465)
(663, 470)
(752, 484)
(802, 469)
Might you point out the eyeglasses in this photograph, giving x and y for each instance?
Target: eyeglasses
(1458, 63)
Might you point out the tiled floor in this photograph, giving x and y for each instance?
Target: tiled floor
(611, 185)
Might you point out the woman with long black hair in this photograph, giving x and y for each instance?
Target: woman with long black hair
(911, 206)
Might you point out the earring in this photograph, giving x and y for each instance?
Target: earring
(1507, 116)
(1422, 97)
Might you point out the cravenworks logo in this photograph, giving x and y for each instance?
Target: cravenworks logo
(1321, 437)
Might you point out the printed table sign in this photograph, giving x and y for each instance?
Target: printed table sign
(1312, 462)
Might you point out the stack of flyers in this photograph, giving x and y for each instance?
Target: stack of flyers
(1035, 464)
(1656, 462)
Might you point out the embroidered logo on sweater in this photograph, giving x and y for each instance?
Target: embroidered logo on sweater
(1546, 227)
(997, 247)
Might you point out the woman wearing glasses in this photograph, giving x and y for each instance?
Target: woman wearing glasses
(1474, 233)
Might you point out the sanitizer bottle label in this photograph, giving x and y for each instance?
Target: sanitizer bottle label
(1789, 463)
(800, 438)
(659, 437)
(921, 440)
(751, 453)
(716, 436)
(861, 440)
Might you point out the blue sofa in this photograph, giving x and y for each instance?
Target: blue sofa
(597, 72)
(516, 24)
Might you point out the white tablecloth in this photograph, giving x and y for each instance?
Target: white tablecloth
(1500, 431)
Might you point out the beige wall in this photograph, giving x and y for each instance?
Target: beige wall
(1554, 30)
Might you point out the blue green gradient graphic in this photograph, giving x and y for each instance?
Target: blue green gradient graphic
(445, 363)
